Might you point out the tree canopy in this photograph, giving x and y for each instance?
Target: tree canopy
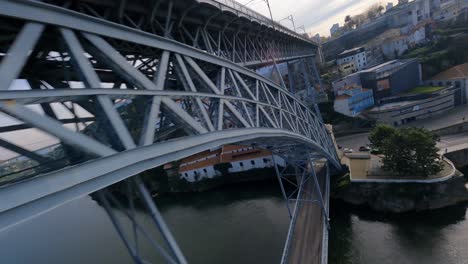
(371, 13)
(407, 151)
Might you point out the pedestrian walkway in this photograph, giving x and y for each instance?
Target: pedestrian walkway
(307, 237)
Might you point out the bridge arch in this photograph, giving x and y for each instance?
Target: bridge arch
(149, 100)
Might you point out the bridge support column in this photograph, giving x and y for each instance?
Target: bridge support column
(307, 82)
(316, 74)
(159, 221)
(283, 191)
(112, 204)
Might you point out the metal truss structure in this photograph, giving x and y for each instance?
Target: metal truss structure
(140, 97)
(307, 188)
(224, 28)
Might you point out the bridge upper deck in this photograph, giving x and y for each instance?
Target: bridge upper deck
(221, 27)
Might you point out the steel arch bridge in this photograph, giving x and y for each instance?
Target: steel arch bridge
(143, 83)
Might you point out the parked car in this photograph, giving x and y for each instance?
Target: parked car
(364, 148)
(348, 150)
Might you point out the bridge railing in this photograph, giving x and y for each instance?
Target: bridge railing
(263, 19)
(253, 41)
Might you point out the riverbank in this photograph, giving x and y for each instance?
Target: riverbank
(160, 181)
(178, 185)
(361, 235)
(398, 197)
(239, 223)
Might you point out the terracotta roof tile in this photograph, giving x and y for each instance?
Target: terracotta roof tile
(456, 72)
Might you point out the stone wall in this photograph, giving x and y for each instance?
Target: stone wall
(399, 198)
(459, 158)
(453, 129)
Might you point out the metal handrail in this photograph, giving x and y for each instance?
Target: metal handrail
(253, 14)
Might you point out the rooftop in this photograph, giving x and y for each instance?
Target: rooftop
(350, 52)
(388, 68)
(342, 97)
(392, 105)
(424, 89)
(456, 72)
(386, 65)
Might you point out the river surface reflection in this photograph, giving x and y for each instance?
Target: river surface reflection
(244, 223)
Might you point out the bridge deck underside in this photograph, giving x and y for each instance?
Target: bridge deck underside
(307, 237)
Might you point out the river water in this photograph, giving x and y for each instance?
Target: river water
(238, 224)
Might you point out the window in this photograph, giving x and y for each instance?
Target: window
(265, 160)
(204, 170)
(253, 162)
(457, 84)
(186, 175)
(241, 164)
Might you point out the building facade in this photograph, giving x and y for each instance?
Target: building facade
(237, 158)
(408, 110)
(353, 101)
(347, 68)
(449, 9)
(349, 82)
(334, 29)
(356, 56)
(457, 77)
(392, 78)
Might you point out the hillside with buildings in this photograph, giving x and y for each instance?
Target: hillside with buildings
(396, 30)
(405, 64)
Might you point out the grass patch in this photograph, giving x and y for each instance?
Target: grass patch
(425, 89)
(419, 52)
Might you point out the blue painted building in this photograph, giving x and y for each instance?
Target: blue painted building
(353, 101)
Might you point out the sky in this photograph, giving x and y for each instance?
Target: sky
(317, 16)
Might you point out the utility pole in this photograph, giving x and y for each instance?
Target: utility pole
(303, 28)
(269, 9)
(290, 18)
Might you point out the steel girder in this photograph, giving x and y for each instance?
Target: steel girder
(173, 85)
(151, 100)
(223, 28)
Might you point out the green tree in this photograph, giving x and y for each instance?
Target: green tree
(407, 151)
(423, 146)
(380, 133)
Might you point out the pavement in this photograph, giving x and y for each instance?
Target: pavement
(353, 141)
(371, 169)
(449, 118)
(451, 141)
(363, 167)
(357, 140)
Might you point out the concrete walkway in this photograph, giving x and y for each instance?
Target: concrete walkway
(362, 169)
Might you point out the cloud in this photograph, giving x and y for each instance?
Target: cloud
(316, 15)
